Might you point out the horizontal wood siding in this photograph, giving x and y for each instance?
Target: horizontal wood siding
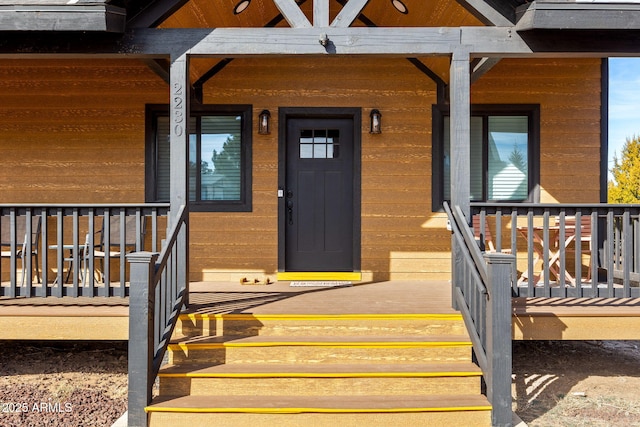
(568, 92)
(73, 132)
(395, 165)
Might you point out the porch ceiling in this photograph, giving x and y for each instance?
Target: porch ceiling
(264, 13)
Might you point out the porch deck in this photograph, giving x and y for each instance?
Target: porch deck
(107, 318)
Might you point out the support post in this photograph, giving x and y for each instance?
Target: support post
(179, 136)
(179, 141)
(460, 131)
(141, 336)
(498, 344)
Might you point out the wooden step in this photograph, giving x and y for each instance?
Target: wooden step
(238, 325)
(346, 411)
(350, 349)
(322, 379)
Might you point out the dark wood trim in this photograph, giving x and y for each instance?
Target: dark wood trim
(482, 66)
(441, 85)
(353, 113)
(604, 131)
(151, 160)
(438, 113)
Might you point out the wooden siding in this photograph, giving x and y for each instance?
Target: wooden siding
(568, 92)
(73, 131)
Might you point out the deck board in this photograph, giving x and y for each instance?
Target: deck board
(107, 318)
(576, 318)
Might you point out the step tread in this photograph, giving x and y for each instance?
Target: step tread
(323, 370)
(328, 317)
(261, 340)
(291, 404)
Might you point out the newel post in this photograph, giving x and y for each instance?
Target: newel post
(141, 336)
(498, 344)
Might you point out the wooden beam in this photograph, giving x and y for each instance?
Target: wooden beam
(159, 67)
(292, 13)
(487, 14)
(483, 66)
(349, 13)
(460, 131)
(321, 13)
(155, 13)
(398, 42)
(389, 42)
(179, 136)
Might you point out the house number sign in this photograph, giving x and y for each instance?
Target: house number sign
(178, 110)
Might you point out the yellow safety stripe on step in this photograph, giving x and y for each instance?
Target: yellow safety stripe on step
(327, 317)
(320, 276)
(401, 344)
(323, 375)
(316, 410)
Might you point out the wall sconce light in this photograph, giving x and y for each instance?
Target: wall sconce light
(376, 121)
(264, 125)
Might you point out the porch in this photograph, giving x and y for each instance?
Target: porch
(83, 318)
(69, 318)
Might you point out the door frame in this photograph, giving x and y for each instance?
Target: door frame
(352, 113)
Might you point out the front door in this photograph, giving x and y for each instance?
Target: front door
(319, 208)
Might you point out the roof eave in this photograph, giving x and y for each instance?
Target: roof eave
(78, 17)
(544, 15)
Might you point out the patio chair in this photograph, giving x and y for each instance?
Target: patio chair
(114, 246)
(21, 249)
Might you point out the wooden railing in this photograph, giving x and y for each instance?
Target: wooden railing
(482, 293)
(565, 250)
(74, 250)
(159, 289)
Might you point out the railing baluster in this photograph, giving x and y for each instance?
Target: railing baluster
(530, 264)
(627, 245)
(27, 267)
(59, 288)
(123, 247)
(75, 289)
(90, 277)
(514, 252)
(12, 260)
(562, 237)
(545, 254)
(610, 248)
(44, 254)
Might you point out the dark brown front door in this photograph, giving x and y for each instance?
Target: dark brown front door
(319, 195)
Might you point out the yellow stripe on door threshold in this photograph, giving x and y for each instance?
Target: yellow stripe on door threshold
(320, 275)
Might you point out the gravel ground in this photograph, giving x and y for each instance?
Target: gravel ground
(62, 383)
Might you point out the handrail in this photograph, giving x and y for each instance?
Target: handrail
(568, 250)
(472, 256)
(65, 248)
(159, 289)
(482, 293)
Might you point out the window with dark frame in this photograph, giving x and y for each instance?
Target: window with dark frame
(504, 154)
(219, 175)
